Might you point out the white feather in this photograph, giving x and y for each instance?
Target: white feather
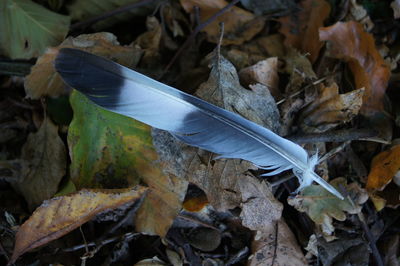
(190, 119)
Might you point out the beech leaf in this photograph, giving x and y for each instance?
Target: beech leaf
(50, 222)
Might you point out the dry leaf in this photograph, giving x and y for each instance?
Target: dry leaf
(150, 43)
(349, 41)
(358, 13)
(218, 179)
(301, 28)
(322, 206)
(50, 222)
(43, 79)
(276, 245)
(330, 109)
(239, 24)
(264, 72)
(45, 156)
(395, 5)
(260, 209)
(383, 168)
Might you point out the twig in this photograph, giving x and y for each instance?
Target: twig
(336, 136)
(196, 31)
(108, 14)
(332, 152)
(15, 68)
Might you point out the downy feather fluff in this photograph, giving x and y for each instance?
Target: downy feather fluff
(190, 119)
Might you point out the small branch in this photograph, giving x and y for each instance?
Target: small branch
(93, 20)
(336, 136)
(15, 68)
(201, 26)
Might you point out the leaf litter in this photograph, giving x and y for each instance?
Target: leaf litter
(304, 69)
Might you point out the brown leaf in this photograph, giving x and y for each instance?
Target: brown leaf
(219, 179)
(259, 207)
(50, 222)
(264, 72)
(276, 245)
(43, 79)
(239, 24)
(383, 168)
(46, 159)
(301, 28)
(330, 109)
(349, 41)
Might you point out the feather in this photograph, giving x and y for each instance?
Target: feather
(190, 119)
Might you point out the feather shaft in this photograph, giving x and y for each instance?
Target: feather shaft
(188, 118)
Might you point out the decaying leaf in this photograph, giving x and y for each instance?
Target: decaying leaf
(218, 179)
(331, 109)
(395, 5)
(112, 151)
(239, 24)
(149, 41)
(44, 81)
(50, 222)
(46, 158)
(27, 28)
(358, 13)
(349, 41)
(276, 245)
(383, 168)
(264, 72)
(301, 28)
(260, 209)
(321, 206)
(83, 10)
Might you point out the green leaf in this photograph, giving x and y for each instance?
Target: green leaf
(109, 150)
(26, 28)
(322, 206)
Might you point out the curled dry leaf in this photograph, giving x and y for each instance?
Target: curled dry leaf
(264, 72)
(50, 222)
(239, 24)
(331, 109)
(301, 28)
(45, 156)
(349, 41)
(383, 168)
(44, 81)
(322, 206)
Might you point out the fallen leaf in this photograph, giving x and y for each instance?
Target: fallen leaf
(218, 179)
(349, 41)
(50, 222)
(301, 28)
(390, 197)
(27, 28)
(46, 158)
(149, 42)
(330, 109)
(84, 10)
(344, 251)
(109, 150)
(276, 245)
(358, 13)
(43, 79)
(260, 209)
(239, 24)
(275, 7)
(264, 72)
(395, 5)
(321, 206)
(383, 168)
